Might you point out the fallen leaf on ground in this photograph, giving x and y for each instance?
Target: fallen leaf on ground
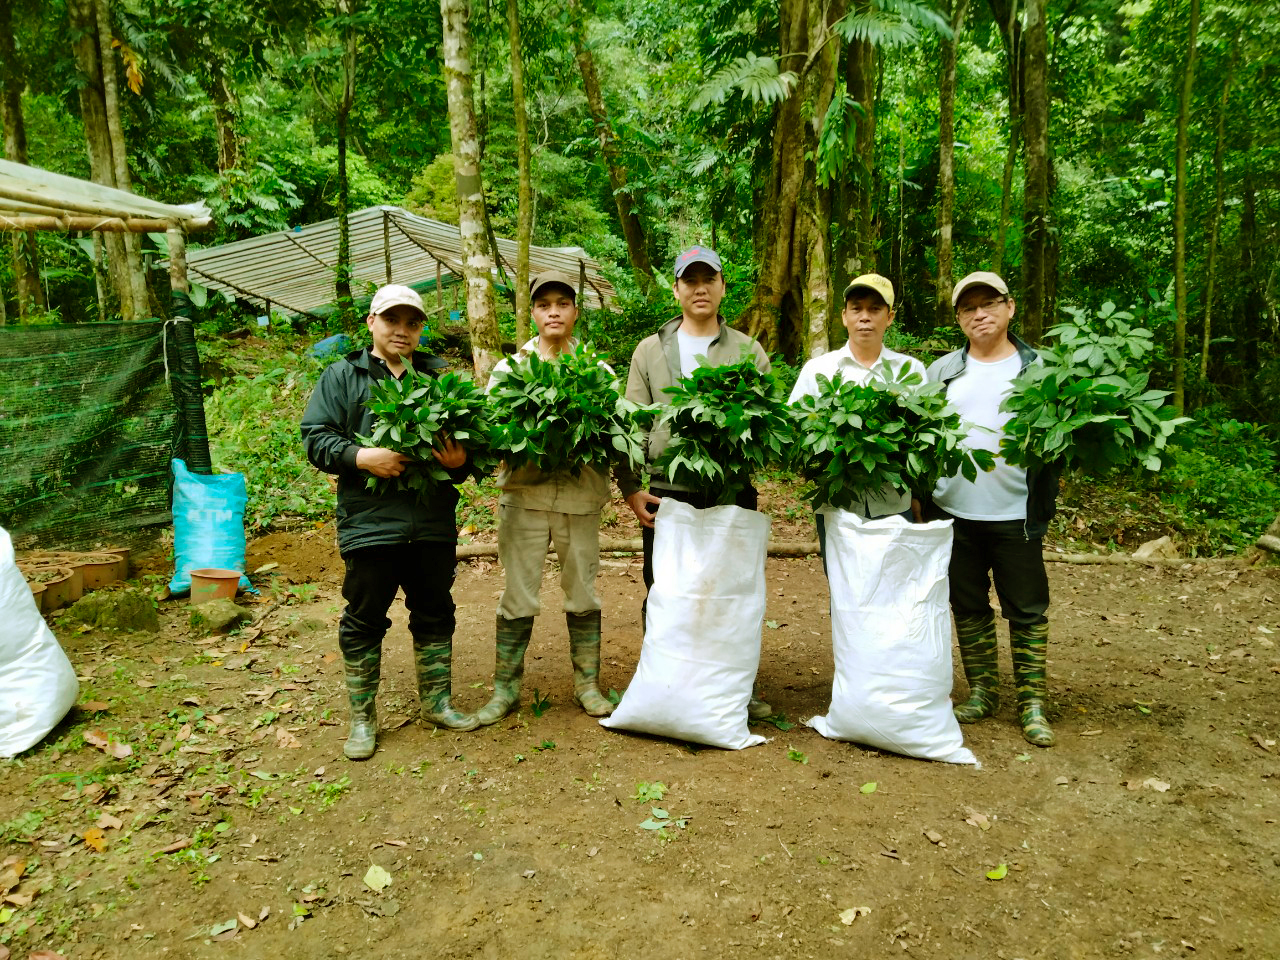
(4, 952)
(395, 721)
(248, 922)
(95, 706)
(1153, 784)
(976, 819)
(286, 739)
(264, 913)
(148, 684)
(377, 879)
(868, 788)
(330, 657)
(97, 738)
(999, 873)
(853, 913)
(1264, 744)
(19, 899)
(45, 955)
(1090, 733)
(225, 927)
(95, 839)
(184, 733)
(934, 837)
(107, 822)
(177, 845)
(1061, 781)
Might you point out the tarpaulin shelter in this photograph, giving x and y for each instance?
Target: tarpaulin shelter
(293, 270)
(91, 413)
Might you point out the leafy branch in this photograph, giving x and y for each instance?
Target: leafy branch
(726, 422)
(414, 414)
(853, 440)
(564, 413)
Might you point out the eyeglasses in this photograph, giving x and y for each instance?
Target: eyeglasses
(967, 313)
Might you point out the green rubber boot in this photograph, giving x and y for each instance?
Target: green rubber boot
(757, 709)
(362, 692)
(1029, 645)
(584, 651)
(977, 639)
(508, 670)
(434, 659)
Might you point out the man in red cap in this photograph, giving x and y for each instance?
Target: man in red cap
(670, 355)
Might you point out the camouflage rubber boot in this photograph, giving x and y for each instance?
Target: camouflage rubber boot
(434, 658)
(362, 692)
(757, 709)
(1029, 645)
(978, 653)
(584, 651)
(508, 670)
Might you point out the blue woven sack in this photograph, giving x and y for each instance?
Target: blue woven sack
(208, 524)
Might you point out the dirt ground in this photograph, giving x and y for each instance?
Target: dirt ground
(1149, 830)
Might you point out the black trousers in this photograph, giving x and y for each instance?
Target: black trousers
(999, 550)
(748, 499)
(424, 569)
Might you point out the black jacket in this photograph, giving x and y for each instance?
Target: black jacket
(335, 414)
(1042, 482)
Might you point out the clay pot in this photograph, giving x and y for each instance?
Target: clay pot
(57, 586)
(75, 586)
(123, 553)
(213, 584)
(100, 569)
(37, 594)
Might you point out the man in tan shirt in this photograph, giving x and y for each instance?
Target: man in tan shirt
(672, 354)
(536, 509)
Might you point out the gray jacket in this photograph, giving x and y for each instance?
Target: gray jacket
(1042, 482)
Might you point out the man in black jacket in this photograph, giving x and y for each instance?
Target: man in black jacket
(999, 518)
(388, 540)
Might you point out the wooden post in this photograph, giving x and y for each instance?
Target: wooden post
(386, 244)
(178, 279)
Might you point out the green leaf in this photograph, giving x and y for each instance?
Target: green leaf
(223, 927)
(868, 787)
(999, 873)
(377, 878)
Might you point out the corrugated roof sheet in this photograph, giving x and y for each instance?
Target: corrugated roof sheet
(293, 269)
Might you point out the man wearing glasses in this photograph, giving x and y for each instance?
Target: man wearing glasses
(1000, 516)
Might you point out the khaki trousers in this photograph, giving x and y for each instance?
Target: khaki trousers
(523, 539)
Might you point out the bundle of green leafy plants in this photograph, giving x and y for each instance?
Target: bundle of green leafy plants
(853, 440)
(1087, 406)
(564, 413)
(414, 414)
(726, 423)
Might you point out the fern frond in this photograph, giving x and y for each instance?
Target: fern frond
(755, 77)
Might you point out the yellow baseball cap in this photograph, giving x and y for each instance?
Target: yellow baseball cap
(872, 281)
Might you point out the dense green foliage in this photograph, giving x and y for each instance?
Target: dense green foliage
(564, 414)
(1087, 406)
(415, 414)
(853, 440)
(726, 423)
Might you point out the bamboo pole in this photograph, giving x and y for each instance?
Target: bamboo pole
(91, 224)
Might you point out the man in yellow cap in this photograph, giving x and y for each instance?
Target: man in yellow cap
(867, 315)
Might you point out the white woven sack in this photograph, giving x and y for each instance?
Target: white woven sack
(891, 634)
(37, 683)
(702, 638)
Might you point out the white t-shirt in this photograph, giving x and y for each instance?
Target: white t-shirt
(690, 349)
(976, 394)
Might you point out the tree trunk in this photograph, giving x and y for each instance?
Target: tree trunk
(342, 274)
(632, 231)
(853, 200)
(791, 307)
(26, 254)
(477, 262)
(1219, 199)
(83, 18)
(226, 116)
(1005, 13)
(136, 277)
(524, 196)
(1180, 217)
(1036, 222)
(946, 164)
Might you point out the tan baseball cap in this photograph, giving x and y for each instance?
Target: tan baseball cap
(872, 281)
(548, 277)
(396, 295)
(982, 278)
